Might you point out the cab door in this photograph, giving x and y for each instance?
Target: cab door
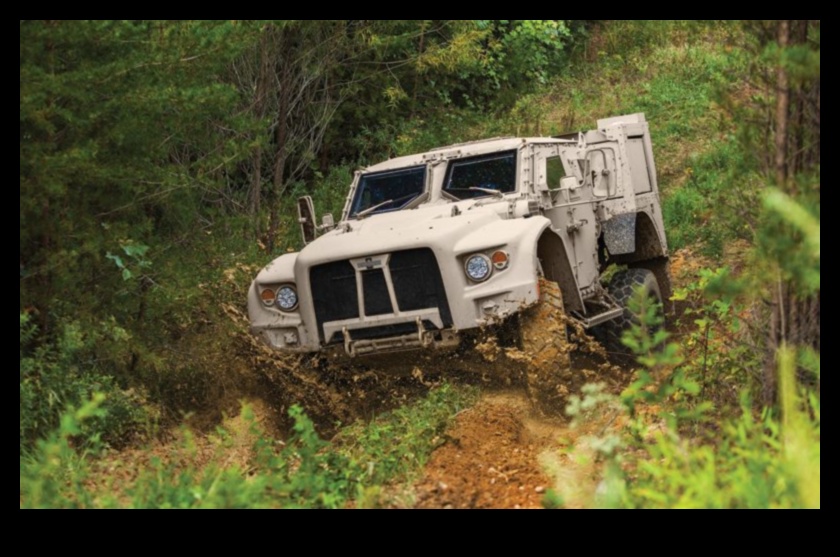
(572, 214)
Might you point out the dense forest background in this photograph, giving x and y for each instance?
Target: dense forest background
(160, 162)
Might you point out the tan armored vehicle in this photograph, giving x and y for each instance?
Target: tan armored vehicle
(434, 246)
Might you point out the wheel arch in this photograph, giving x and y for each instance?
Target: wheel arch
(556, 266)
(650, 252)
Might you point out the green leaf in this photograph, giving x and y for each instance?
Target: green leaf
(136, 251)
(116, 259)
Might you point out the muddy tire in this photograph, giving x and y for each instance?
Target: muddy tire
(546, 351)
(621, 289)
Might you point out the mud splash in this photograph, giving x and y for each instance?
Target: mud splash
(501, 455)
(490, 461)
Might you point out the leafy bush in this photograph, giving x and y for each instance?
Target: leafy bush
(55, 377)
(399, 443)
(54, 475)
(670, 454)
(305, 472)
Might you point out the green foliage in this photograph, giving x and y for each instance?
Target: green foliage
(304, 474)
(756, 463)
(54, 377)
(717, 354)
(120, 146)
(717, 203)
(790, 236)
(529, 49)
(306, 471)
(398, 444)
(310, 474)
(766, 461)
(638, 36)
(746, 462)
(54, 475)
(136, 255)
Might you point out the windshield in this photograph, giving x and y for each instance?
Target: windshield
(384, 192)
(481, 176)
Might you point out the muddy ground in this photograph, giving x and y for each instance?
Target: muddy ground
(504, 453)
(498, 455)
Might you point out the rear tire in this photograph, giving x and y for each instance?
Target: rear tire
(622, 287)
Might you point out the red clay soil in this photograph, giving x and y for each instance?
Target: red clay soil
(488, 462)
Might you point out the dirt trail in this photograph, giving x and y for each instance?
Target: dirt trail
(502, 455)
(499, 455)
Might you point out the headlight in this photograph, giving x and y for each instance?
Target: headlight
(478, 268)
(287, 298)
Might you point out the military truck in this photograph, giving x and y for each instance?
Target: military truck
(435, 246)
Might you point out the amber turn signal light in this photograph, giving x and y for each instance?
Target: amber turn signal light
(501, 260)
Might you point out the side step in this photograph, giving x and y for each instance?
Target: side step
(595, 320)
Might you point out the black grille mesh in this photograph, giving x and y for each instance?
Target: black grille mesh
(334, 293)
(417, 283)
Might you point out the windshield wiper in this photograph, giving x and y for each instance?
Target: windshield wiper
(369, 210)
(497, 193)
(405, 200)
(494, 193)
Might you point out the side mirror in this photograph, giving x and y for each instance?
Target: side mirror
(306, 218)
(327, 222)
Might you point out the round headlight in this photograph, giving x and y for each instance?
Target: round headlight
(287, 299)
(478, 268)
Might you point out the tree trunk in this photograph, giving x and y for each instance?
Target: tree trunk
(815, 319)
(782, 107)
(281, 138)
(817, 121)
(420, 50)
(770, 372)
(777, 332)
(802, 134)
(259, 106)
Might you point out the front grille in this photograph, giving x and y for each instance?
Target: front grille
(377, 299)
(417, 284)
(334, 293)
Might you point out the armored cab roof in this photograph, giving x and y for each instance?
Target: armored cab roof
(462, 150)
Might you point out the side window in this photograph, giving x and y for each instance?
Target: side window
(480, 176)
(554, 172)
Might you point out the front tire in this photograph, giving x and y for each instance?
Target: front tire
(546, 351)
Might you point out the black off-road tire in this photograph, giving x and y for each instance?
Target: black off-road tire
(546, 351)
(621, 288)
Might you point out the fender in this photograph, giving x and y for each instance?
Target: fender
(534, 236)
(273, 325)
(279, 271)
(516, 234)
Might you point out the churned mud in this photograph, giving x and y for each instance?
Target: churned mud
(490, 461)
(514, 450)
(500, 454)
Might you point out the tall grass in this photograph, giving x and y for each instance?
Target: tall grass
(247, 468)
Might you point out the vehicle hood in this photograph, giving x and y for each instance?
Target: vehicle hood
(437, 227)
